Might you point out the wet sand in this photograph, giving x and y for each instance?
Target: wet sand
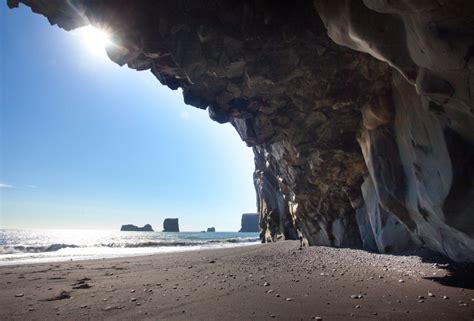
(261, 282)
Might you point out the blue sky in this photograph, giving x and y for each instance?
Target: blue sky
(87, 144)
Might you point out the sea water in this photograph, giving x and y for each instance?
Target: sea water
(39, 246)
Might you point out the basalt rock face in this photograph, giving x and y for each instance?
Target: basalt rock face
(359, 113)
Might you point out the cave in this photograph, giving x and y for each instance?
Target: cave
(359, 113)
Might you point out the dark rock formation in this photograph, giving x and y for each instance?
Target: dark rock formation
(170, 225)
(249, 222)
(131, 227)
(211, 229)
(359, 112)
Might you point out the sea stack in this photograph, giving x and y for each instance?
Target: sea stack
(211, 229)
(170, 225)
(249, 222)
(134, 228)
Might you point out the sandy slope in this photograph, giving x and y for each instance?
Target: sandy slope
(262, 282)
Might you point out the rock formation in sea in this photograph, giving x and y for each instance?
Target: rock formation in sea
(131, 227)
(249, 223)
(360, 113)
(170, 225)
(211, 229)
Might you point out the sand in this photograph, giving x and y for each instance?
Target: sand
(262, 282)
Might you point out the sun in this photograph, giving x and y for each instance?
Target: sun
(96, 40)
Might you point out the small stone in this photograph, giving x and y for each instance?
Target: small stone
(421, 297)
(277, 295)
(212, 261)
(266, 284)
(445, 297)
(431, 295)
(270, 291)
(81, 286)
(31, 309)
(133, 299)
(19, 295)
(400, 281)
(421, 301)
(132, 291)
(318, 318)
(356, 296)
(357, 307)
(288, 299)
(83, 306)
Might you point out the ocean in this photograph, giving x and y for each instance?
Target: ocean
(40, 246)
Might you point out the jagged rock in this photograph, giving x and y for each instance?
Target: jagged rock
(170, 225)
(249, 223)
(131, 227)
(359, 112)
(211, 229)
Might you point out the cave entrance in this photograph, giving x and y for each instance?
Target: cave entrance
(90, 144)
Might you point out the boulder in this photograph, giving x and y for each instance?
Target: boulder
(211, 229)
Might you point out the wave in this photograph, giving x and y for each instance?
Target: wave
(180, 243)
(6, 249)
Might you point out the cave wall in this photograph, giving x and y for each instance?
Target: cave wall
(359, 113)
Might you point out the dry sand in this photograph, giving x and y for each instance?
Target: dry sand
(262, 282)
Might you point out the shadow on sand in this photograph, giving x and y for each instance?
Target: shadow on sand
(459, 275)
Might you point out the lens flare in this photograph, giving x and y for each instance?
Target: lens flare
(96, 40)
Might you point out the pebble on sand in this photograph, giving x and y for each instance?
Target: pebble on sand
(288, 299)
(19, 295)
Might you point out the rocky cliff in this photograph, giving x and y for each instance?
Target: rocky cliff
(249, 222)
(171, 225)
(359, 112)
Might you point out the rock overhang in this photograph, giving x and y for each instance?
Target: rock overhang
(350, 106)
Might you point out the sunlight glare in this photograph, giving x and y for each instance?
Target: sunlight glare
(96, 40)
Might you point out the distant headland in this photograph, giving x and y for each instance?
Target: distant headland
(134, 228)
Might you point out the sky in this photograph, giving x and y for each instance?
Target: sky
(87, 144)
